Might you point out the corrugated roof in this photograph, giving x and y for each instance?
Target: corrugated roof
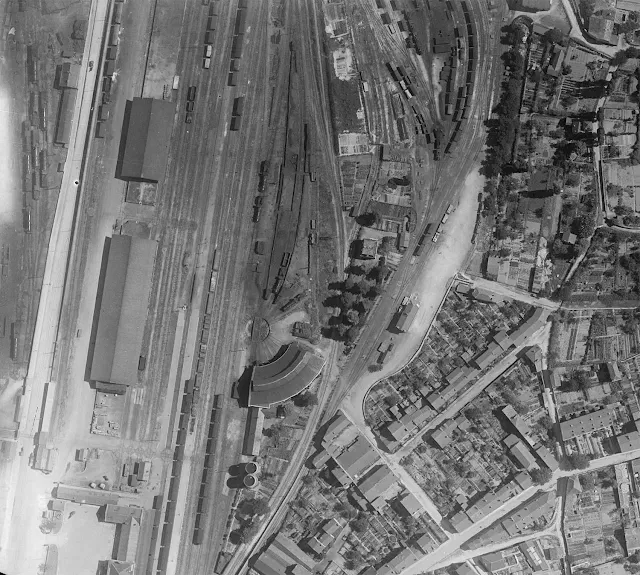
(285, 377)
(147, 139)
(358, 458)
(377, 483)
(123, 310)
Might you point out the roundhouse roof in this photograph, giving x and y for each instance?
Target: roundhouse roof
(284, 377)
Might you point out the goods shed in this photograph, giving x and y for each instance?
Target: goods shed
(146, 131)
(123, 312)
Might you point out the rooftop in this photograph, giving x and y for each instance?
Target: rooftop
(286, 376)
(358, 458)
(587, 423)
(146, 139)
(123, 309)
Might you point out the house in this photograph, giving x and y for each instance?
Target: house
(523, 456)
(523, 479)
(551, 379)
(397, 430)
(614, 371)
(569, 238)
(465, 569)
(443, 435)
(547, 458)
(377, 484)
(486, 296)
(601, 26)
(534, 355)
(410, 504)
(369, 248)
(629, 441)
(502, 339)
(338, 425)
(341, 477)
(488, 356)
(460, 521)
(426, 543)
(555, 63)
(493, 562)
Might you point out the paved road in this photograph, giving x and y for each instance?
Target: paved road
(23, 515)
(514, 293)
(451, 547)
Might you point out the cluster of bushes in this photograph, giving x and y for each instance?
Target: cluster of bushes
(621, 56)
(357, 294)
(503, 131)
(253, 510)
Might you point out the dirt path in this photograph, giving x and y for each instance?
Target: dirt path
(449, 258)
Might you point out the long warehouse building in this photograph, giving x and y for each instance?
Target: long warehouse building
(65, 117)
(123, 313)
(147, 134)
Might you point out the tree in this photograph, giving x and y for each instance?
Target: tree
(554, 36)
(585, 225)
(587, 481)
(391, 400)
(306, 399)
(473, 413)
(386, 245)
(257, 506)
(370, 219)
(586, 9)
(352, 316)
(360, 524)
(348, 300)
(572, 180)
(541, 476)
(576, 461)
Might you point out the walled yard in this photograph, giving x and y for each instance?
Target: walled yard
(588, 336)
(592, 522)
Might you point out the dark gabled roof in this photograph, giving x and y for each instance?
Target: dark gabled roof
(65, 116)
(147, 139)
(123, 310)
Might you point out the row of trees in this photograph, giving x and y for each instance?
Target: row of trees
(357, 295)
